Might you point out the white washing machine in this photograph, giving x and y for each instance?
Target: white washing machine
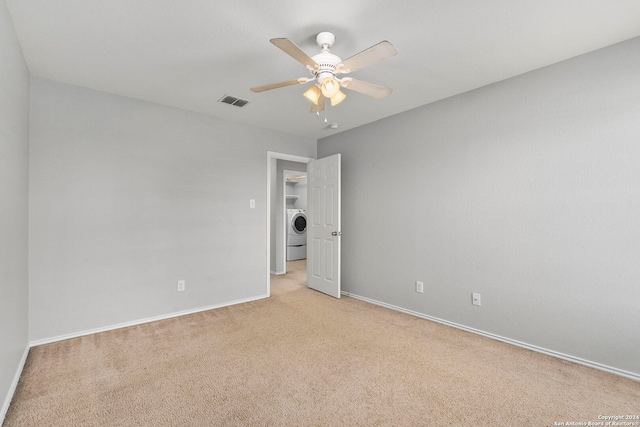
(296, 234)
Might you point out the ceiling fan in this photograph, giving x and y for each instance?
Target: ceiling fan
(325, 68)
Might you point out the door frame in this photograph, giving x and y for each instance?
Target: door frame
(272, 155)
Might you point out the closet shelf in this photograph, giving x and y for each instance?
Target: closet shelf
(292, 197)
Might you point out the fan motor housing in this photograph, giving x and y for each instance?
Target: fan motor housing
(327, 63)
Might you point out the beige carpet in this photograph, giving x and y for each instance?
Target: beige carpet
(302, 358)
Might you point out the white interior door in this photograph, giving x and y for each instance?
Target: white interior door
(323, 225)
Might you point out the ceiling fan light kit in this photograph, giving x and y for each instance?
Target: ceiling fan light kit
(325, 67)
(329, 87)
(313, 94)
(337, 98)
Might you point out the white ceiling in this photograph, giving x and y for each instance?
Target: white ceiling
(189, 53)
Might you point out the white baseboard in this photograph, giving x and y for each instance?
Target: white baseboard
(141, 321)
(14, 385)
(631, 375)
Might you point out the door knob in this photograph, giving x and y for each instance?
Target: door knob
(336, 233)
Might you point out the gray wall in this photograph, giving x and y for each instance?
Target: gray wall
(128, 197)
(526, 191)
(14, 172)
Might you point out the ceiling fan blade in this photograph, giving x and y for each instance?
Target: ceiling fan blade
(371, 89)
(322, 101)
(278, 85)
(374, 54)
(291, 49)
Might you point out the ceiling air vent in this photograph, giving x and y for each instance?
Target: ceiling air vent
(231, 100)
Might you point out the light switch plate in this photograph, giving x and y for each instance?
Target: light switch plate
(475, 299)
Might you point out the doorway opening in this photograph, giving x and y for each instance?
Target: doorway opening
(281, 166)
(294, 187)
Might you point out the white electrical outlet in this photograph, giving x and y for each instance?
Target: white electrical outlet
(419, 286)
(252, 203)
(475, 299)
(181, 285)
